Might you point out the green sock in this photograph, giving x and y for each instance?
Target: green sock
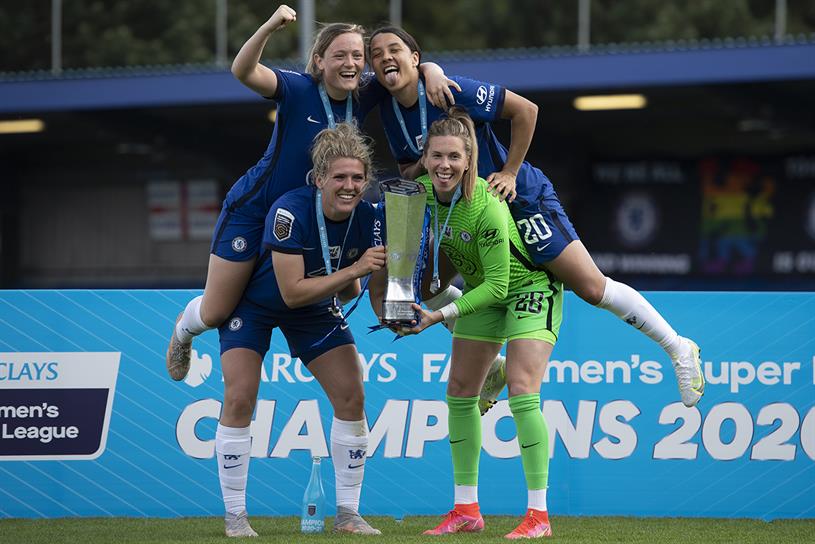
(533, 438)
(464, 423)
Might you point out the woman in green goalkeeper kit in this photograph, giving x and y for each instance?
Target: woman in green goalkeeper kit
(506, 300)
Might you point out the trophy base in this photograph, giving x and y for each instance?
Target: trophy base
(398, 312)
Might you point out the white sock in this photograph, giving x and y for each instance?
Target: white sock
(232, 447)
(631, 307)
(443, 299)
(536, 498)
(190, 325)
(465, 494)
(349, 449)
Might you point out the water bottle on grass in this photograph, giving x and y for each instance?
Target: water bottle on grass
(313, 518)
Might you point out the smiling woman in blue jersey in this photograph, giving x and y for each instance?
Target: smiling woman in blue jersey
(328, 93)
(306, 104)
(545, 228)
(317, 244)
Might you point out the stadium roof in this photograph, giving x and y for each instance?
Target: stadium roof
(525, 70)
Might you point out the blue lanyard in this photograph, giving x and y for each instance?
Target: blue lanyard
(335, 308)
(397, 110)
(436, 284)
(329, 112)
(318, 204)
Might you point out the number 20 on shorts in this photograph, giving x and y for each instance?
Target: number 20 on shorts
(534, 229)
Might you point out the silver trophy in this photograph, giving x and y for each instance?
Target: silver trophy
(405, 212)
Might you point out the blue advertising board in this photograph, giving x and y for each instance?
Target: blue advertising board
(91, 425)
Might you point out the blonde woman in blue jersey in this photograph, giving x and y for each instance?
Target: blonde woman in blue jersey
(307, 103)
(505, 300)
(317, 245)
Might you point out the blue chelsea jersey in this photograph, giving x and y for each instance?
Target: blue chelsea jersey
(287, 160)
(291, 227)
(484, 103)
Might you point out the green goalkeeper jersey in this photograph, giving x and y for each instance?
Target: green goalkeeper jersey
(482, 242)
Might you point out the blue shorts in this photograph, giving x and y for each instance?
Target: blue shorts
(251, 326)
(544, 227)
(237, 236)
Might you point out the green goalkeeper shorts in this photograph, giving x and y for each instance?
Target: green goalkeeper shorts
(534, 311)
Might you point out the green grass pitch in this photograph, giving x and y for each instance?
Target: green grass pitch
(286, 530)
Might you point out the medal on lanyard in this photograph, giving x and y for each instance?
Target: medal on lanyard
(397, 110)
(329, 112)
(335, 309)
(435, 285)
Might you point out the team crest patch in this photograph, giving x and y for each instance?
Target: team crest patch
(235, 323)
(353, 252)
(239, 244)
(465, 236)
(283, 223)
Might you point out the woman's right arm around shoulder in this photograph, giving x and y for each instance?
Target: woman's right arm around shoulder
(247, 68)
(411, 170)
